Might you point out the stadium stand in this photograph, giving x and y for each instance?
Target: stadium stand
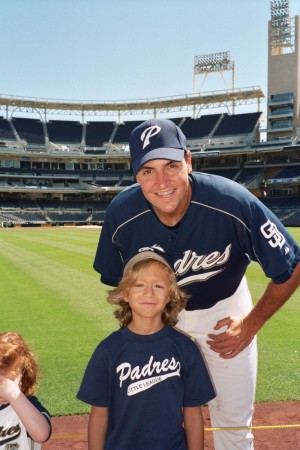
(289, 173)
(30, 130)
(65, 131)
(68, 217)
(98, 132)
(227, 173)
(74, 182)
(292, 220)
(202, 127)
(6, 132)
(124, 129)
(54, 172)
(237, 124)
(248, 174)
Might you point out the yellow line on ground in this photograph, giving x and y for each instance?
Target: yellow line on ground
(257, 427)
(69, 436)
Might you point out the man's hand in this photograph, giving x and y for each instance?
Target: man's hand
(233, 340)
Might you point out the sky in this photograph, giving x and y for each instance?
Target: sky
(129, 49)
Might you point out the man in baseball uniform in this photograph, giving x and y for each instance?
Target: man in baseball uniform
(212, 228)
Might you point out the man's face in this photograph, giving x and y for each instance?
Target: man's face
(165, 184)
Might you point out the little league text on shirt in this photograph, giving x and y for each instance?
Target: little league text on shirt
(148, 370)
(140, 386)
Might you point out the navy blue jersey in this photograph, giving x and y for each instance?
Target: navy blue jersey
(145, 380)
(224, 228)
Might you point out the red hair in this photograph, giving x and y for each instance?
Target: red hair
(16, 358)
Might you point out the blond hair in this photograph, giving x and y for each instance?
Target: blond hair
(178, 297)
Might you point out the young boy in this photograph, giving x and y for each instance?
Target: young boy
(24, 422)
(142, 381)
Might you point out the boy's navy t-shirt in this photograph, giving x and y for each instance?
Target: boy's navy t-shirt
(145, 380)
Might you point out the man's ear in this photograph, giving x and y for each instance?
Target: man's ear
(188, 160)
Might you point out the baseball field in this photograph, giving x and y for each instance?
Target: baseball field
(53, 297)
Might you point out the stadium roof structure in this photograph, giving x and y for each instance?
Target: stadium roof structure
(196, 102)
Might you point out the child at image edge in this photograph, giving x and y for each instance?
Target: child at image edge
(24, 422)
(142, 381)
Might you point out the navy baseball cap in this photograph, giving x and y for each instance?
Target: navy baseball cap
(156, 139)
(154, 253)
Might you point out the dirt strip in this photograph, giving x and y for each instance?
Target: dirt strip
(276, 427)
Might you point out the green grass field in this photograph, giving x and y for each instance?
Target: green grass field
(52, 296)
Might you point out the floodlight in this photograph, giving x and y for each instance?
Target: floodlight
(282, 25)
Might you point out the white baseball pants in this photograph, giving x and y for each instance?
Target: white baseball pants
(234, 379)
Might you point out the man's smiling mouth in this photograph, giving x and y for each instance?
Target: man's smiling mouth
(166, 194)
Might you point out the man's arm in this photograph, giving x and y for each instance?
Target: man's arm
(97, 428)
(194, 427)
(241, 331)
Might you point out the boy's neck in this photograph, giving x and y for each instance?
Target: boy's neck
(145, 328)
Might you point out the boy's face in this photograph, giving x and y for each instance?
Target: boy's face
(149, 295)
